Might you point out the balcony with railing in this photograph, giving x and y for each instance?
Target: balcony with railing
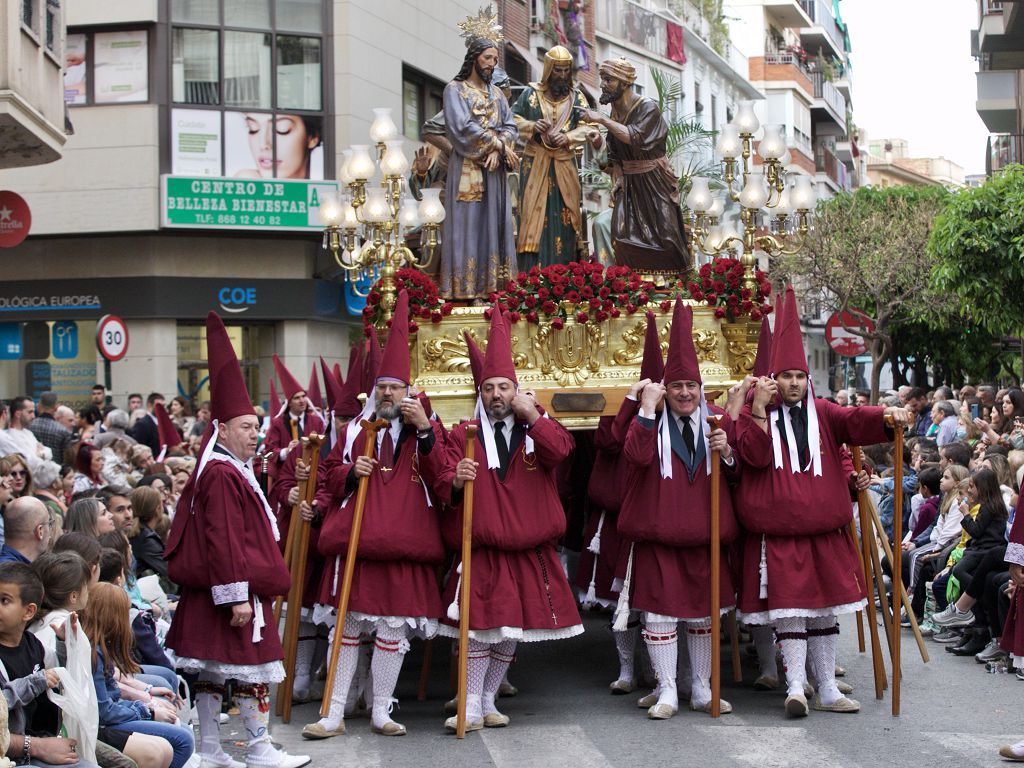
(629, 22)
(825, 30)
(826, 162)
(829, 96)
(1003, 150)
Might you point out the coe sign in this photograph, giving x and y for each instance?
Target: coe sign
(112, 337)
(844, 342)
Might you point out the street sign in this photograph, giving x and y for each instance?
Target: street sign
(64, 344)
(112, 338)
(844, 342)
(15, 219)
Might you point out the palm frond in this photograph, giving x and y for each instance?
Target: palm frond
(670, 89)
(596, 179)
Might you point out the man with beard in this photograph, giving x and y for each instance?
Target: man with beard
(519, 589)
(548, 117)
(647, 224)
(478, 247)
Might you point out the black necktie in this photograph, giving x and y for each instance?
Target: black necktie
(799, 418)
(688, 436)
(386, 456)
(502, 445)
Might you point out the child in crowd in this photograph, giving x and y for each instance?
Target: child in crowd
(107, 626)
(66, 578)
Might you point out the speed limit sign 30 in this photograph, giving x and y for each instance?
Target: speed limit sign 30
(112, 337)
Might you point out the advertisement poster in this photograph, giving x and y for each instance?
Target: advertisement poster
(75, 74)
(250, 139)
(195, 142)
(121, 66)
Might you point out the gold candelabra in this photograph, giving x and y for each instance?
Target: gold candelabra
(366, 223)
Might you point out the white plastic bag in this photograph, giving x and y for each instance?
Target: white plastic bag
(77, 700)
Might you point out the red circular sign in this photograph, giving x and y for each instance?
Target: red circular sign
(843, 341)
(15, 219)
(112, 337)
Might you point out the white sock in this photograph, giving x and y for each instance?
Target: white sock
(477, 664)
(662, 643)
(388, 654)
(209, 697)
(304, 659)
(254, 705)
(625, 647)
(501, 656)
(822, 638)
(348, 659)
(764, 642)
(792, 637)
(698, 643)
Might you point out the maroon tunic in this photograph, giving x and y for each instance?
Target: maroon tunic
(400, 543)
(225, 555)
(279, 435)
(1012, 639)
(517, 579)
(812, 563)
(278, 498)
(670, 521)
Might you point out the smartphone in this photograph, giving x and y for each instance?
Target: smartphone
(975, 408)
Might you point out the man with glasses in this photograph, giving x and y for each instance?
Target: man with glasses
(26, 530)
(17, 438)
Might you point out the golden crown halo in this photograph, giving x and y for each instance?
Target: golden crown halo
(484, 24)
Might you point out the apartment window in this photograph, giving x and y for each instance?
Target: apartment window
(106, 67)
(714, 113)
(29, 17)
(52, 24)
(422, 98)
(698, 105)
(247, 90)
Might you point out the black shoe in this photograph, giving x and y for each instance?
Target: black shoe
(965, 638)
(977, 643)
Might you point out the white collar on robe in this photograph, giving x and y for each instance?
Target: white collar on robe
(665, 438)
(813, 434)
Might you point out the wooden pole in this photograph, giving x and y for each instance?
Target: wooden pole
(863, 503)
(300, 555)
(860, 614)
(896, 565)
(293, 528)
(467, 556)
(734, 643)
(716, 566)
(370, 428)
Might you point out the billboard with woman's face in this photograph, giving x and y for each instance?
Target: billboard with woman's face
(265, 145)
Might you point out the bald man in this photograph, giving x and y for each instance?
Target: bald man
(26, 530)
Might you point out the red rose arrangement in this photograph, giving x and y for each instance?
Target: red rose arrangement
(424, 300)
(719, 284)
(592, 292)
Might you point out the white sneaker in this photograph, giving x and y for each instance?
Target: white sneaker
(277, 758)
(223, 760)
(223, 718)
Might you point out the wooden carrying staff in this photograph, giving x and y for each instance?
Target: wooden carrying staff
(293, 527)
(298, 549)
(716, 566)
(370, 428)
(467, 556)
(896, 564)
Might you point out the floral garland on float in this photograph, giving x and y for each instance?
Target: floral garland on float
(720, 284)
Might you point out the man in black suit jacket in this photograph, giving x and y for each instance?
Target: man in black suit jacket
(145, 430)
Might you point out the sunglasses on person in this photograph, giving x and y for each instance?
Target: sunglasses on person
(19, 473)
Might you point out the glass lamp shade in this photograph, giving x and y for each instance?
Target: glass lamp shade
(755, 193)
(394, 163)
(376, 209)
(729, 144)
(717, 208)
(772, 145)
(803, 196)
(784, 206)
(347, 216)
(360, 166)
(699, 199)
(430, 210)
(746, 121)
(383, 128)
(409, 214)
(713, 241)
(786, 158)
(732, 231)
(330, 209)
(344, 176)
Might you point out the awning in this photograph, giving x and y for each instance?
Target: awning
(531, 61)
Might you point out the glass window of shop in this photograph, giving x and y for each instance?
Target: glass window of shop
(247, 88)
(193, 368)
(49, 355)
(106, 67)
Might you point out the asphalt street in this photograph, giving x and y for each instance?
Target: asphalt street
(954, 713)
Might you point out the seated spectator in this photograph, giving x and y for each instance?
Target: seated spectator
(88, 467)
(21, 475)
(84, 546)
(89, 516)
(147, 532)
(116, 464)
(967, 430)
(116, 424)
(118, 501)
(945, 420)
(107, 626)
(955, 453)
(67, 481)
(66, 578)
(26, 530)
(162, 483)
(141, 459)
(49, 489)
(181, 414)
(33, 720)
(48, 431)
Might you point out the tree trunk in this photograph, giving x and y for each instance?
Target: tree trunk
(879, 354)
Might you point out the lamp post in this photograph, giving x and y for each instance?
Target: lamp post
(365, 225)
(785, 201)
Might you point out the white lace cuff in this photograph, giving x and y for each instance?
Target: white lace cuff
(1014, 553)
(237, 592)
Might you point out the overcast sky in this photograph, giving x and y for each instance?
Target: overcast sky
(913, 76)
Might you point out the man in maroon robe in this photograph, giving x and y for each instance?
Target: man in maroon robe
(297, 421)
(666, 513)
(394, 588)
(800, 567)
(223, 552)
(520, 592)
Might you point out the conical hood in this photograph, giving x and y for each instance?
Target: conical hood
(289, 384)
(167, 433)
(228, 394)
(681, 364)
(371, 361)
(313, 390)
(348, 404)
(275, 399)
(395, 362)
(476, 359)
(331, 386)
(498, 359)
(787, 341)
(762, 363)
(653, 365)
(336, 369)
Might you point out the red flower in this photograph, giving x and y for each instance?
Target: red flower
(601, 316)
(718, 285)
(732, 300)
(596, 278)
(623, 298)
(595, 303)
(720, 312)
(446, 308)
(521, 276)
(531, 317)
(534, 280)
(373, 298)
(578, 281)
(706, 282)
(711, 298)
(549, 307)
(755, 314)
(557, 324)
(543, 293)
(766, 309)
(413, 327)
(607, 304)
(643, 298)
(534, 270)
(530, 302)
(587, 292)
(513, 316)
(745, 293)
(582, 317)
(665, 306)
(604, 292)
(435, 317)
(705, 270)
(614, 312)
(618, 285)
(698, 296)
(746, 306)
(720, 268)
(573, 297)
(631, 308)
(558, 291)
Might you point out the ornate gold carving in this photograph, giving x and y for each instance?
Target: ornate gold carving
(450, 355)
(741, 354)
(705, 341)
(571, 354)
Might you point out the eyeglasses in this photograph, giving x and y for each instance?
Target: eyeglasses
(19, 473)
